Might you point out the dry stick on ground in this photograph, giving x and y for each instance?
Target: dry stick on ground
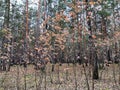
(101, 73)
(92, 79)
(67, 72)
(45, 74)
(114, 77)
(93, 74)
(25, 82)
(66, 69)
(36, 80)
(18, 88)
(74, 71)
(119, 71)
(40, 80)
(51, 77)
(50, 74)
(119, 63)
(58, 76)
(86, 78)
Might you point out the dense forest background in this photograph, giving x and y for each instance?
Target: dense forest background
(59, 45)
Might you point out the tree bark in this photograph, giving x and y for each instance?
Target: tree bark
(7, 14)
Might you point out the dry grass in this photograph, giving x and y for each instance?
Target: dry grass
(63, 78)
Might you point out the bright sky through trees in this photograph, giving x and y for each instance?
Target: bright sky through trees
(20, 1)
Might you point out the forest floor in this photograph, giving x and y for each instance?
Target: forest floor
(63, 78)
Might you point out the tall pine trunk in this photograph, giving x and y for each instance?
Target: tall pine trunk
(7, 14)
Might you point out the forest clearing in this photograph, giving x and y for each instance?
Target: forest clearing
(65, 77)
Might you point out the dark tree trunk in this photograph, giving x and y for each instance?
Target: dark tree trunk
(94, 59)
(53, 67)
(4, 65)
(109, 54)
(95, 67)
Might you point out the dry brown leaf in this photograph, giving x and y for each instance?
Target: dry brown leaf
(67, 19)
(72, 14)
(57, 27)
(91, 3)
(93, 36)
